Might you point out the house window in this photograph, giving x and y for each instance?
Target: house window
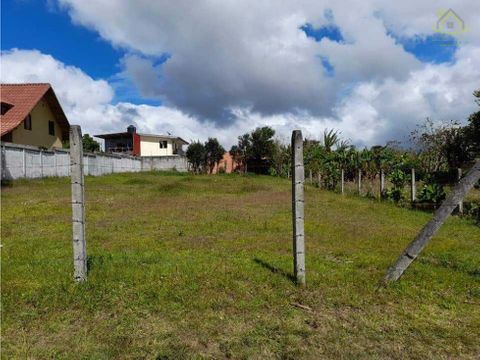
(5, 108)
(163, 144)
(27, 123)
(51, 128)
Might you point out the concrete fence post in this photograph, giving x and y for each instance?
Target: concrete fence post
(413, 191)
(55, 162)
(41, 163)
(460, 204)
(319, 179)
(24, 163)
(342, 181)
(382, 182)
(359, 182)
(3, 160)
(298, 178)
(428, 231)
(78, 204)
(87, 166)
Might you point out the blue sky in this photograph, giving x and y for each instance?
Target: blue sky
(48, 28)
(33, 24)
(235, 65)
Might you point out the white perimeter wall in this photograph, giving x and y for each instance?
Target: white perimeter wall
(22, 161)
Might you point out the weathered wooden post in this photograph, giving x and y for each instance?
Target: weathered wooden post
(310, 176)
(382, 182)
(359, 182)
(451, 202)
(78, 204)
(342, 181)
(460, 204)
(298, 178)
(413, 190)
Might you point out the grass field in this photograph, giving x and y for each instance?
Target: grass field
(200, 267)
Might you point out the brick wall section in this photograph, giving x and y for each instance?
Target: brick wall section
(226, 163)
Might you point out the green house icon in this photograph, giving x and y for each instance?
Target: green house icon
(450, 23)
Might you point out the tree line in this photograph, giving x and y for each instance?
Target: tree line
(436, 151)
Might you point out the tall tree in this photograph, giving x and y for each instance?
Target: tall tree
(258, 148)
(238, 156)
(89, 144)
(472, 131)
(330, 139)
(213, 153)
(196, 156)
(262, 143)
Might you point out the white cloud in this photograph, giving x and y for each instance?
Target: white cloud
(248, 53)
(237, 65)
(83, 98)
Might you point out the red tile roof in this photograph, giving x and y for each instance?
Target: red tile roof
(24, 97)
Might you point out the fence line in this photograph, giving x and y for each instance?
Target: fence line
(358, 188)
(23, 161)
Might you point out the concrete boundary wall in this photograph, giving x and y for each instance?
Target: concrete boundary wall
(23, 161)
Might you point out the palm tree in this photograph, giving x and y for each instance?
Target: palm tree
(330, 139)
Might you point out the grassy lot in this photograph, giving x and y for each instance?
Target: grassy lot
(200, 267)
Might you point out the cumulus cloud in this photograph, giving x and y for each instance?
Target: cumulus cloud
(83, 98)
(88, 102)
(222, 68)
(254, 55)
(250, 53)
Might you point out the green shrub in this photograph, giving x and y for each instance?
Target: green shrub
(472, 210)
(398, 178)
(393, 194)
(431, 193)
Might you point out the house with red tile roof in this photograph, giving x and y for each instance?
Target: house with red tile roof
(32, 115)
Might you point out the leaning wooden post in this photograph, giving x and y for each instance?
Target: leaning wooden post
(298, 178)
(451, 202)
(359, 182)
(78, 204)
(342, 181)
(413, 190)
(382, 182)
(460, 204)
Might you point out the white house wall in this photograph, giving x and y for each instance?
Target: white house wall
(150, 146)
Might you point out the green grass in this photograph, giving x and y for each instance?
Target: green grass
(200, 267)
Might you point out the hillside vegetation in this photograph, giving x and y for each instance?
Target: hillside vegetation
(185, 266)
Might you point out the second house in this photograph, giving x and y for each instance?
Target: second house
(136, 144)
